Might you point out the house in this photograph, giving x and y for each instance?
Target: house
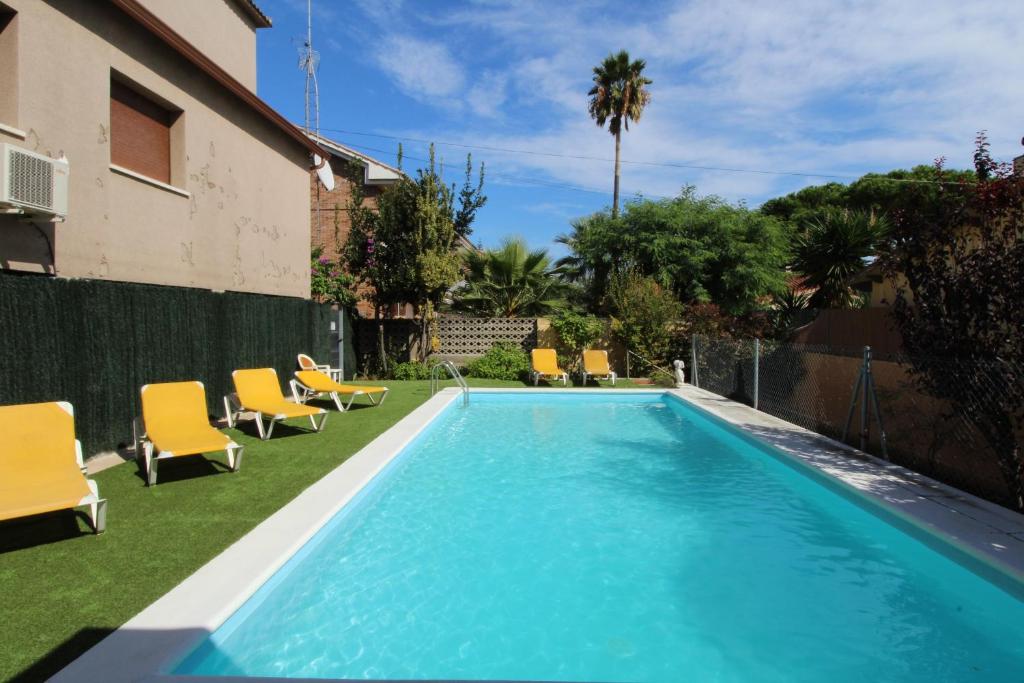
(329, 216)
(876, 287)
(178, 174)
(330, 222)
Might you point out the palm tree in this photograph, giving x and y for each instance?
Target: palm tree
(619, 96)
(509, 281)
(833, 249)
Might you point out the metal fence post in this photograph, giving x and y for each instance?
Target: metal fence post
(757, 363)
(693, 352)
(865, 426)
(341, 342)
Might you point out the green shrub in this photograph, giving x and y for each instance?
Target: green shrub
(577, 332)
(663, 379)
(643, 315)
(504, 360)
(410, 370)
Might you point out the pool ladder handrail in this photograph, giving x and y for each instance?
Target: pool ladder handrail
(455, 375)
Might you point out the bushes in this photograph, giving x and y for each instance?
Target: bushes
(411, 370)
(577, 332)
(504, 360)
(644, 314)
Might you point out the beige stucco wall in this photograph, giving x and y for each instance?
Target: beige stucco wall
(244, 225)
(222, 31)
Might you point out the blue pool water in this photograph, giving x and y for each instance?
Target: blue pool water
(613, 538)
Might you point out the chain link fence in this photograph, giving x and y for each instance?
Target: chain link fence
(961, 422)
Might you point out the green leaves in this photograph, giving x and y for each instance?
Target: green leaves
(702, 249)
(832, 250)
(643, 313)
(619, 93)
(328, 282)
(504, 360)
(577, 332)
(408, 249)
(509, 281)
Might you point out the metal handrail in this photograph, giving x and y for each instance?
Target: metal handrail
(455, 375)
(650, 363)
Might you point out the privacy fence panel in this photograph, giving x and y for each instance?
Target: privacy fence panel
(399, 337)
(475, 336)
(460, 338)
(944, 432)
(95, 343)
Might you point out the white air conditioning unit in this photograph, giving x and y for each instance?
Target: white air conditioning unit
(32, 183)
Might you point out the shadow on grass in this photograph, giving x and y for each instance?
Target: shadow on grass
(62, 655)
(282, 429)
(51, 527)
(185, 467)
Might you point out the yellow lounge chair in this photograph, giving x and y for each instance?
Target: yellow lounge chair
(175, 422)
(313, 384)
(545, 364)
(307, 363)
(595, 364)
(41, 468)
(259, 391)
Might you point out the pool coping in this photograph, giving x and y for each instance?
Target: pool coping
(171, 627)
(985, 531)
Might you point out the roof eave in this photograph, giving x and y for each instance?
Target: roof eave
(340, 150)
(255, 14)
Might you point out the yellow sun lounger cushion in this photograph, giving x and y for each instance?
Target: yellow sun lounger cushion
(595, 364)
(259, 391)
(311, 383)
(176, 423)
(41, 468)
(545, 364)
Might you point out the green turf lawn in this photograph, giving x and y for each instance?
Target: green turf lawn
(62, 589)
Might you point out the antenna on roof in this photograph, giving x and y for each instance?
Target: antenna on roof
(309, 62)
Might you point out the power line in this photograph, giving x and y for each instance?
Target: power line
(661, 164)
(513, 178)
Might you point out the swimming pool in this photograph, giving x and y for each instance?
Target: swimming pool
(612, 537)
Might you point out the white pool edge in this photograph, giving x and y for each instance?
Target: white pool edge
(166, 631)
(987, 532)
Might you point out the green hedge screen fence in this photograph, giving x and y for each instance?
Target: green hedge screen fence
(95, 343)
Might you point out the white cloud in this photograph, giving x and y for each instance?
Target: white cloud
(833, 88)
(420, 68)
(488, 95)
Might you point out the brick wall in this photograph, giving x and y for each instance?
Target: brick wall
(329, 230)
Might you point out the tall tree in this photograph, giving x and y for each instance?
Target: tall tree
(407, 250)
(880, 193)
(510, 281)
(957, 261)
(619, 96)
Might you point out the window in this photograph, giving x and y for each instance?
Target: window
(8, 66)
(141, 133)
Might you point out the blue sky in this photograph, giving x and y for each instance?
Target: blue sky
(835, 88)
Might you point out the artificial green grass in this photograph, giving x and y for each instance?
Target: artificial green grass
(63, 589)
